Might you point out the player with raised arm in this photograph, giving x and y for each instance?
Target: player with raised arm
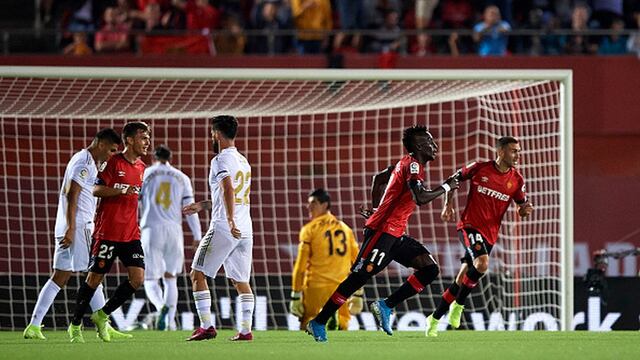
(493, 184)
(383, 235)
(164, 192)
(326, 252)
(74, 225)
(117, 233)
(229, 240)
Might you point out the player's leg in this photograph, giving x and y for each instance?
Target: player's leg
(173, 256)
(344, 316)
(238, 268)
(168, 312)
(46, 296)
(151, 239)
(313, 298)
(448, 296)
(132, 256)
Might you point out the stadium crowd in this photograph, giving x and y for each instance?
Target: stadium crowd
(418, 27)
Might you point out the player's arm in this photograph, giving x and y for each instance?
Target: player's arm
(378, 185)
(103, 191)
(298, 274)
(229, 205)
(422, 195)
(525, 208)
(72, 209)
(448, 212)
(192, 219)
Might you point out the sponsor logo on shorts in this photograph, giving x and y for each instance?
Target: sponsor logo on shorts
(137, 256)
(478, 246)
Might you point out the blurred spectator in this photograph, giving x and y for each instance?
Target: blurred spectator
(232, 40)
(312, 18)
(490, 34)
(174, 18)
(351, 16)
(456, 14)
(79, 46)
(84, 15)
(616, 43)
(271, 16)
(389, 37)
(633, 45)
(606, 12)
(152, 18)
(424, 12)
(579, 44)
(200, 15)
(114, 33)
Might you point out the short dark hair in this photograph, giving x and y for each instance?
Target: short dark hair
(409, 136)
(504, 141)
(162, 152)
(109, 135)
(322, 196)
(226, 124)
(130, 129)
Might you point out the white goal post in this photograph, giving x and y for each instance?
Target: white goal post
(301, 129)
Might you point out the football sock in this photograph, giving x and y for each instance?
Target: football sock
(203, 305)
(246, 312)
(171, 299)
(352, 283)
(447, 298)
(469, 281)
(123, 293)
(83, 299)
(414, 285)
(45, 299)
(154, 293)
(97, 301)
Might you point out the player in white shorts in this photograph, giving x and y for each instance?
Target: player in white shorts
(230, 232)
(165, 191)
(74, 225)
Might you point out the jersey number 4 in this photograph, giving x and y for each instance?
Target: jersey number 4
(163, 196)
(342, 239)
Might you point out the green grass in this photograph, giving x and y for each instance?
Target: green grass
(358, 345)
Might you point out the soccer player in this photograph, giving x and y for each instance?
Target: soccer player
(326, 252)
(117, 233)
(493, 184)
(74, 225)
(229, 240)
(383, 235)
(165, 191)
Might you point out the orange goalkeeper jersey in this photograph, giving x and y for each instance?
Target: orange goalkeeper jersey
(326, 252)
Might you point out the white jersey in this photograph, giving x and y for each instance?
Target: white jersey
(230, 163)
(165, 190)
(81, 169)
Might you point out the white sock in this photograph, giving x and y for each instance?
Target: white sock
(45, 299)
(171, 300)
(246, 308)
(97, 301)
(203, 305)
(154, 293)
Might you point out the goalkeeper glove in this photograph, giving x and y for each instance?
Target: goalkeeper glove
(296, 308)
(356, 302)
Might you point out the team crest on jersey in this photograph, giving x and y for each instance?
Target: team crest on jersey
(509, 185)
(369, 268)
(83, 174)
(484, 179)
(414, 168)
(101, 264)
(478, 246)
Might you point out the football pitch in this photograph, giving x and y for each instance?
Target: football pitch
(363, 345)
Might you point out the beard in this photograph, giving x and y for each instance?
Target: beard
(216, 146)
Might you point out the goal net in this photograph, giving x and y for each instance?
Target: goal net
(300, 129)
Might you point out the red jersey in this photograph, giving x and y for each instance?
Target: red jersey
(489, 197)
(117, 216)
(397, 202)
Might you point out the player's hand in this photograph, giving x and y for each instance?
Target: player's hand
(525, 210)
(296, 307)
(453, 182)
(365, 212)
(192, 208)
(67, 239)
(356, 302)
(235, 232)
(448, 213)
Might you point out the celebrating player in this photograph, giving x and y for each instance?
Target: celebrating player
(229, 240)
(117, 233)
(165, 191)
(383, 235)
(327, 250)
(493, 185)
(74, 225)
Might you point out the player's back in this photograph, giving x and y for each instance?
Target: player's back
(333, 250)
(81, 169)
(161, 199)
(230, 163)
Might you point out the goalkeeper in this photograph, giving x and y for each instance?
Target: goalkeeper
(326, 253)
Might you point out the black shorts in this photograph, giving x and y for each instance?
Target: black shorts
(104, 253)
(474, 245)
(380, 248)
